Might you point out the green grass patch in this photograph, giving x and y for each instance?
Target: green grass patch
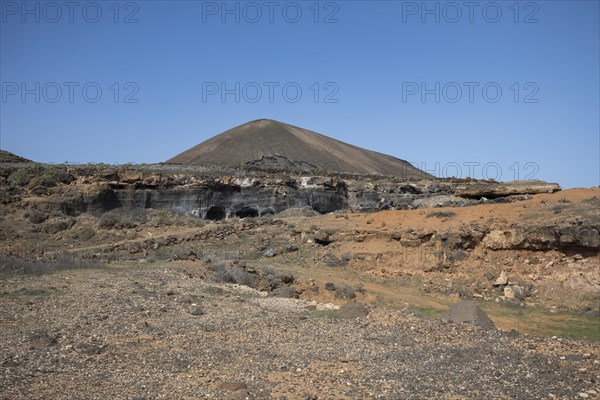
(426, 312)
(575, 329)
(322, 314)
(38, 294)
(541, 321)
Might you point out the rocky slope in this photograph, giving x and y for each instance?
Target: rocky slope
(8, 157)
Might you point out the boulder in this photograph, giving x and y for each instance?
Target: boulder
(468, 311)
(509, 293)
(353, 309)
(502, 279)
(322, 238)
(284, 291)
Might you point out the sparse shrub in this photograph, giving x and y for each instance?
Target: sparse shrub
(36, 217)
(162, 214)
(441, 214)
(86, 233)
(117, 219)
(344, 292)
(266, 270)
(18, 265)
(232, 274)
(59, 225)
(361, 289)
(50, 176)
(20, 177)
(107, 221)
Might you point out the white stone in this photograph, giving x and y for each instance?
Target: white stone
(502, 279)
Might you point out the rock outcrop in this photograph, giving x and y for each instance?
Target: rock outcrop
(216, 196)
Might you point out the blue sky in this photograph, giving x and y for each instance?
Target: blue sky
(505, 89)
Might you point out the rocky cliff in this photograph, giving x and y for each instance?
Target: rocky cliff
(217, 196)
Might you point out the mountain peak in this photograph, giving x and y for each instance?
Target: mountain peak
(275, 143)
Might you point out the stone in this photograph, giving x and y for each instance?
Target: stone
(346, 257)
(233, 386)
(509, 293)
(353, 309)
(322, 238)
(331, 260)
(468, 311)
(284, 291)
(197, 311)
(502, 279)
(520, 292)
(270, 253)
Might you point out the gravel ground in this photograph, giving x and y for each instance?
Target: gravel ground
(158, 331)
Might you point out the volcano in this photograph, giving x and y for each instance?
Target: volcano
(269, 143)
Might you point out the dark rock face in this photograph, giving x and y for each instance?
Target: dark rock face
(221, 201)
(217, 203)
(259, 193)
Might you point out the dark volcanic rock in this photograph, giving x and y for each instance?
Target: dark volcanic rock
(284, 291)
(468, 311)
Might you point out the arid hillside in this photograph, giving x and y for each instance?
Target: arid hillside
(108, 290)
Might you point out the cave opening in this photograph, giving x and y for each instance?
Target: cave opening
(247, 212)
(216, 213)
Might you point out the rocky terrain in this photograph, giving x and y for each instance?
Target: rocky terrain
(164, 331)
(187, 281)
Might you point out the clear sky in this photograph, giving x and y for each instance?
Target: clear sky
(484, 89)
